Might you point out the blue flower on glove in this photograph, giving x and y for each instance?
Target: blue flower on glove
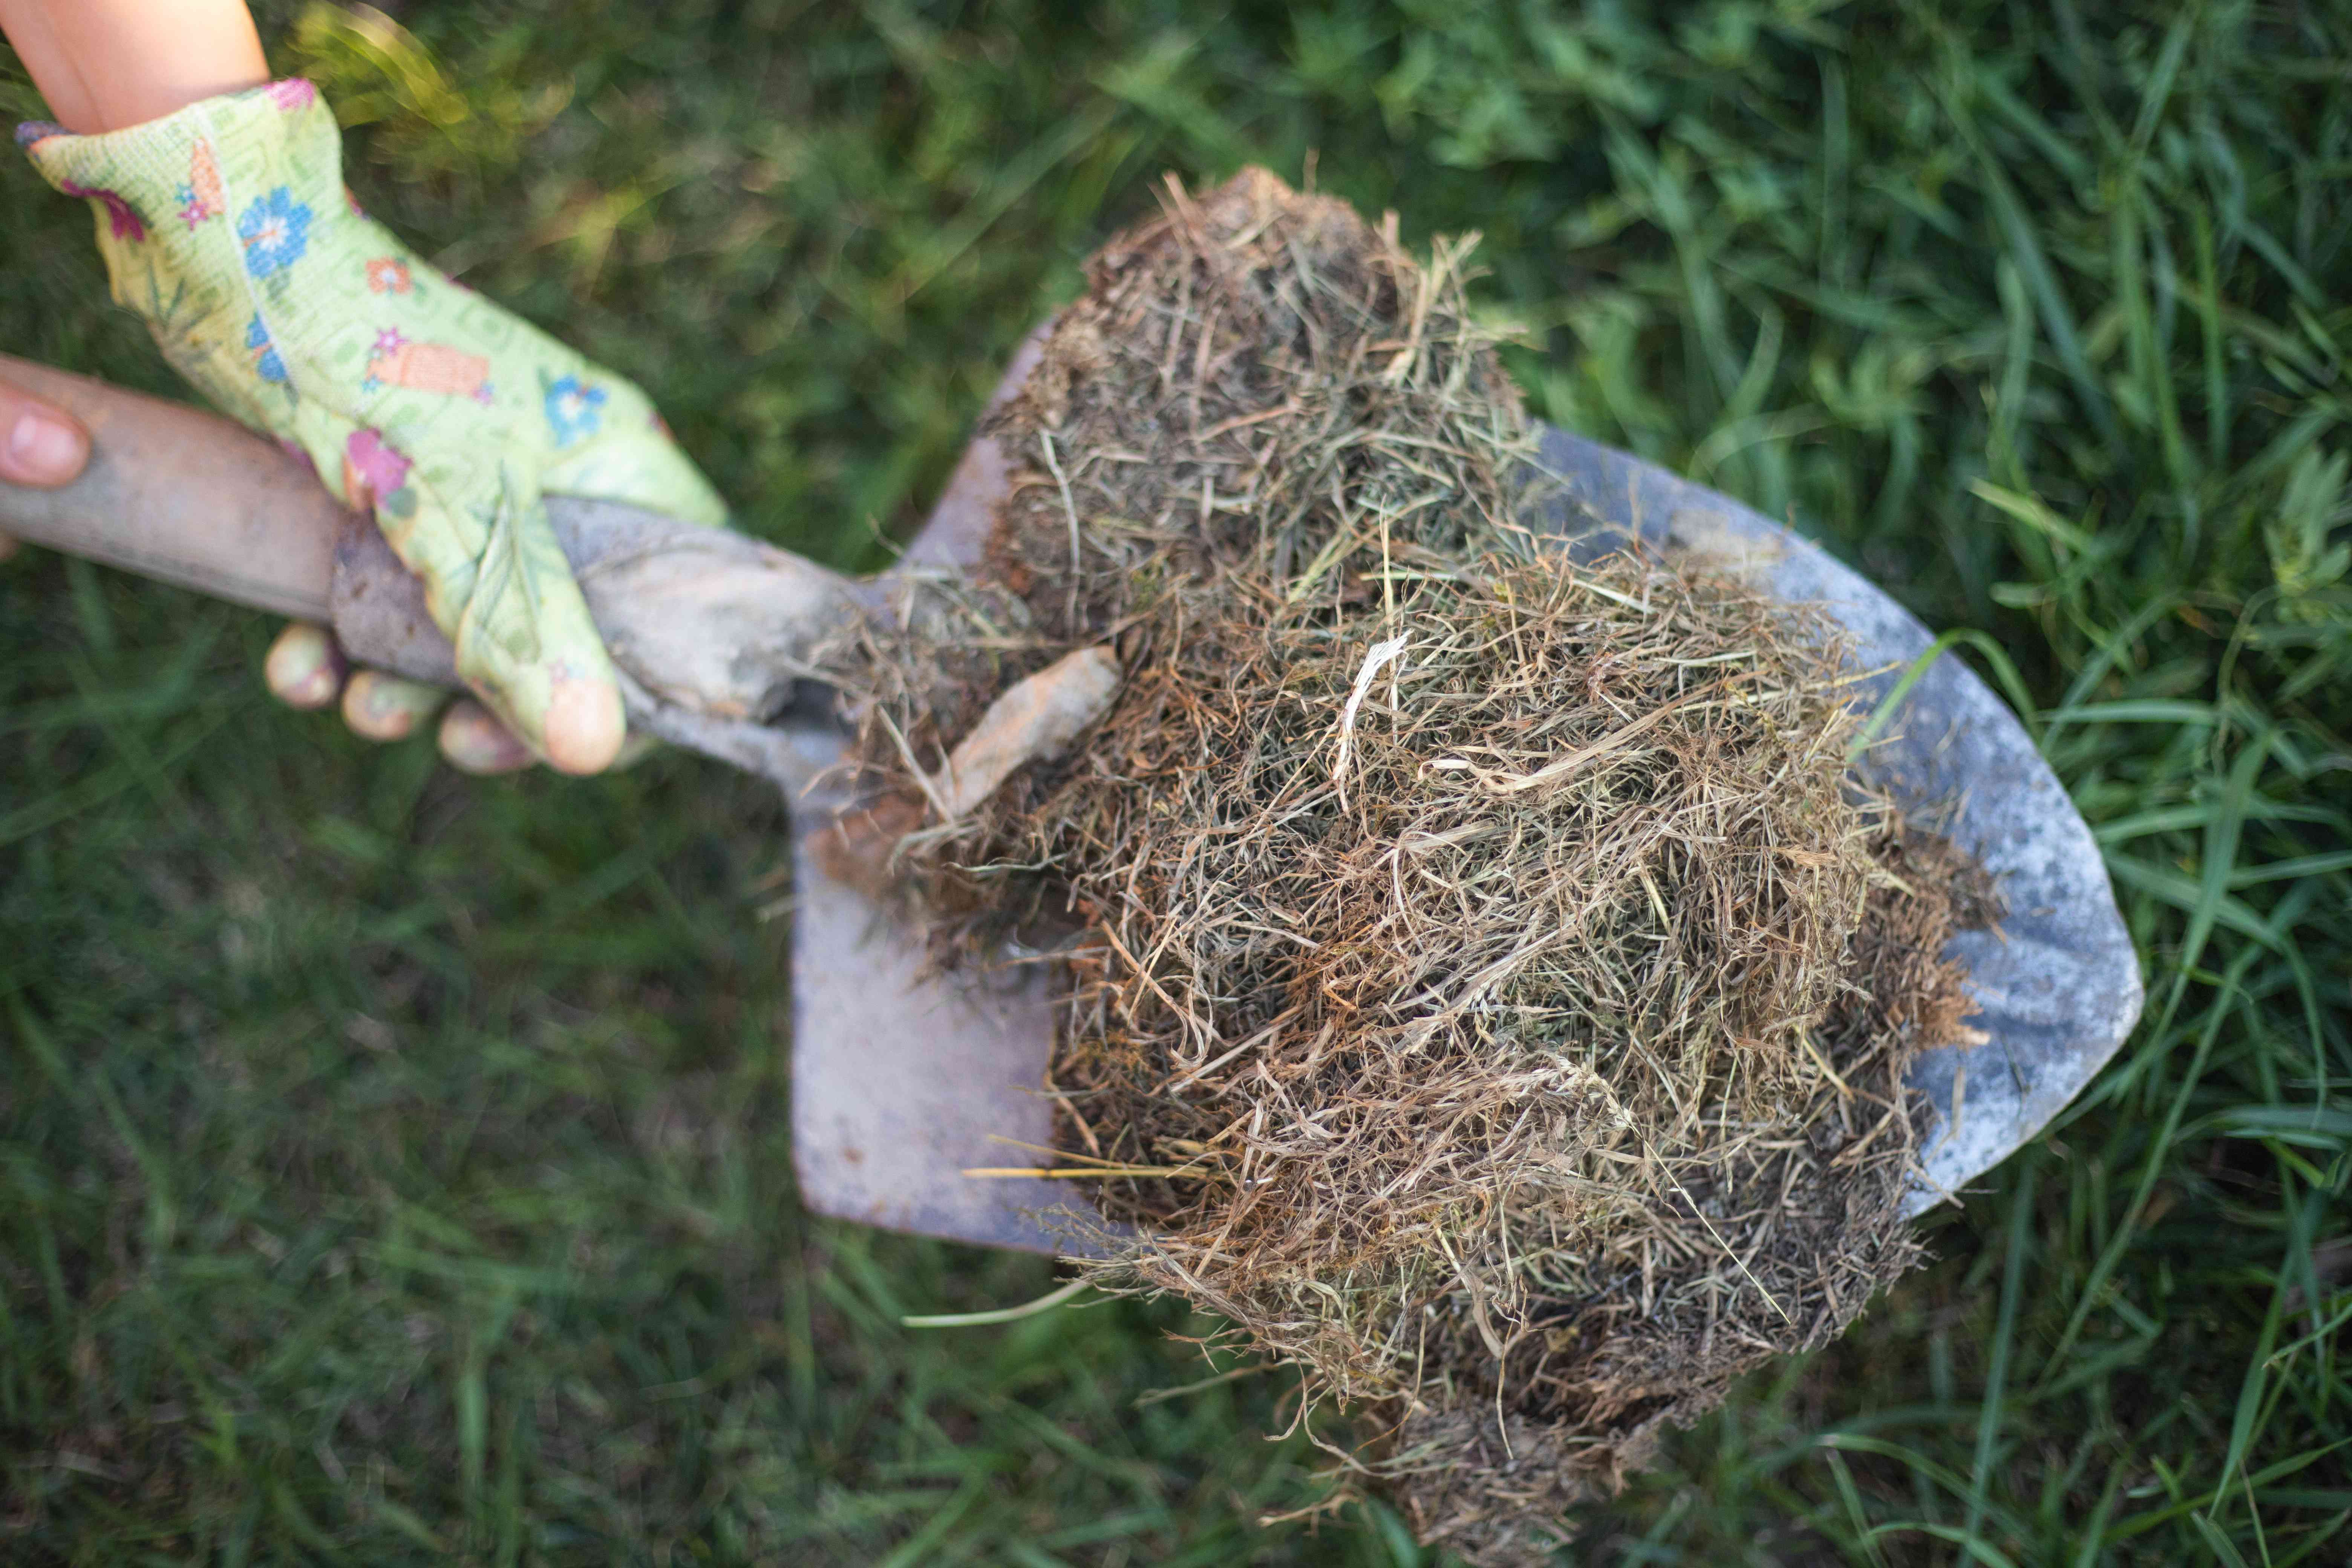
(266, 359)
(572, 409)
(276, 230)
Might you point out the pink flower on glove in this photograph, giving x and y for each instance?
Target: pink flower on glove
(122, 217)
(372, 471)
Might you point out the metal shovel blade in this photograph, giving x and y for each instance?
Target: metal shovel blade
(902, 1082)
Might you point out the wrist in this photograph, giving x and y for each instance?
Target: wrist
(109, 65)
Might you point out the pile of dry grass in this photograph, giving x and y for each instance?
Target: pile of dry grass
(1490, 991)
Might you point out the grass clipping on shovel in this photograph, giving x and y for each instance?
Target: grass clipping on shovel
(1490, 957)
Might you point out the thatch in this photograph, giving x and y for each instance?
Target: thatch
(1490, 989)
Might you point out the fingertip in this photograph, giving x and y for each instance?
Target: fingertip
(475, 743)
(40, 445)
(585, 726)
(380, 707)
(304, 668)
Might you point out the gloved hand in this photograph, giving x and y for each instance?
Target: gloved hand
(226, 227)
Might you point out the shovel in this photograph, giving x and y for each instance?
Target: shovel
(903, 1079)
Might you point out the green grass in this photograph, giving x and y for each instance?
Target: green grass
(393, 1167)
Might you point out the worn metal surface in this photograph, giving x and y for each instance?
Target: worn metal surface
(2059, 984)
(903, 1079)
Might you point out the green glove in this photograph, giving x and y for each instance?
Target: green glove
(227, 227)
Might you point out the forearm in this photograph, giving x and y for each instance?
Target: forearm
(103, 65)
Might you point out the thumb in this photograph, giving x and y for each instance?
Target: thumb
(526, 646)
(40, 445)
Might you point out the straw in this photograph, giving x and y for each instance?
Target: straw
(1521, 1056)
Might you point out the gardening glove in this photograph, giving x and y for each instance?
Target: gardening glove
(226, 227)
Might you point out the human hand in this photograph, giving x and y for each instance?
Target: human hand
(43, 446)
(226, 227)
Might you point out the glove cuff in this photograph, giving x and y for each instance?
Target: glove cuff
(255, 159)
(202, 216)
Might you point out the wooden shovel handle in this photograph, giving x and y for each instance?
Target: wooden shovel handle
(180, 496)
(709, 623)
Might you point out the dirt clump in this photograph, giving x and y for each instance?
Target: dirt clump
(1486, 982)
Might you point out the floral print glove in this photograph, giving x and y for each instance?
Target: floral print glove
(226, 227)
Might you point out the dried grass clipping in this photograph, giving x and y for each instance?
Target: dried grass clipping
(1489, 975)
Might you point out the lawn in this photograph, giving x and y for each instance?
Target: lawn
(393, 1167)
